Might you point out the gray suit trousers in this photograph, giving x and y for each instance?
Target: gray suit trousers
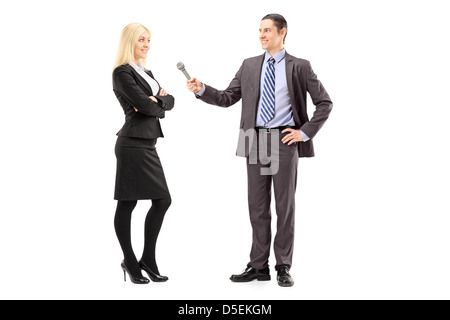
(259, 199)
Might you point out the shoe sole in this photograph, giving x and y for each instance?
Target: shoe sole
(261, 278)
(285, 284)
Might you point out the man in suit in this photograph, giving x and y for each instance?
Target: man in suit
(273, 89)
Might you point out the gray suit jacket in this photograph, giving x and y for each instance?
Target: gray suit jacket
(246, 85)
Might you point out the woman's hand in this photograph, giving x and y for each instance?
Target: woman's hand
(151, 97)
(163, 92)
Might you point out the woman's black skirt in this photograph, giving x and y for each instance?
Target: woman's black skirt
(139, 173)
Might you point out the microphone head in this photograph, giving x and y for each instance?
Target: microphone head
(180, 66)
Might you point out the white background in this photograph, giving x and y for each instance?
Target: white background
(372, 217)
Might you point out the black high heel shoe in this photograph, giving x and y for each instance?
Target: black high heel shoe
(136, 280)
(153, 276)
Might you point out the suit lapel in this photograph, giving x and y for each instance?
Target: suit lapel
(151, 76)
(257, 81)
(289, 75)
(141, 81)
(289, 80)
(259, 65)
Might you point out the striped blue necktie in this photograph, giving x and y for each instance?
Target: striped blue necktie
(268, 98)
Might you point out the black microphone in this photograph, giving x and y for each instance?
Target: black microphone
(180, 66)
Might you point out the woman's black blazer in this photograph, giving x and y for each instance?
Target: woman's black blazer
(133, 91)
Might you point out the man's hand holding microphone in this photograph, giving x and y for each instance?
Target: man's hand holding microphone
(193, 84)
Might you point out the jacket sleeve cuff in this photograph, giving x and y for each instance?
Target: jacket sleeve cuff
(304, 136)
(201, 92)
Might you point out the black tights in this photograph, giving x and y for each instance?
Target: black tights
(153, 222)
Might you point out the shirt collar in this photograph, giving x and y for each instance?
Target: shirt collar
(138, 67)
(278, 57)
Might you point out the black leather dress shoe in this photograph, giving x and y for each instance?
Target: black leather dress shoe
(284, 278)
(152, 275)
(251, 274)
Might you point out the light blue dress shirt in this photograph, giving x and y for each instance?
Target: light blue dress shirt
(283, 108)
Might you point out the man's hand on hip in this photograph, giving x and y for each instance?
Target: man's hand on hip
(293, 136)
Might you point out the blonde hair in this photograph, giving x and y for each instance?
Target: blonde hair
(128, 38)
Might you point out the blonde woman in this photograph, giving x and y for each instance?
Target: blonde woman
(139, 173)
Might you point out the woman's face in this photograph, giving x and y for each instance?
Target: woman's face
(142, 46)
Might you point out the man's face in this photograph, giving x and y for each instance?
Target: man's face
(269, 36)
